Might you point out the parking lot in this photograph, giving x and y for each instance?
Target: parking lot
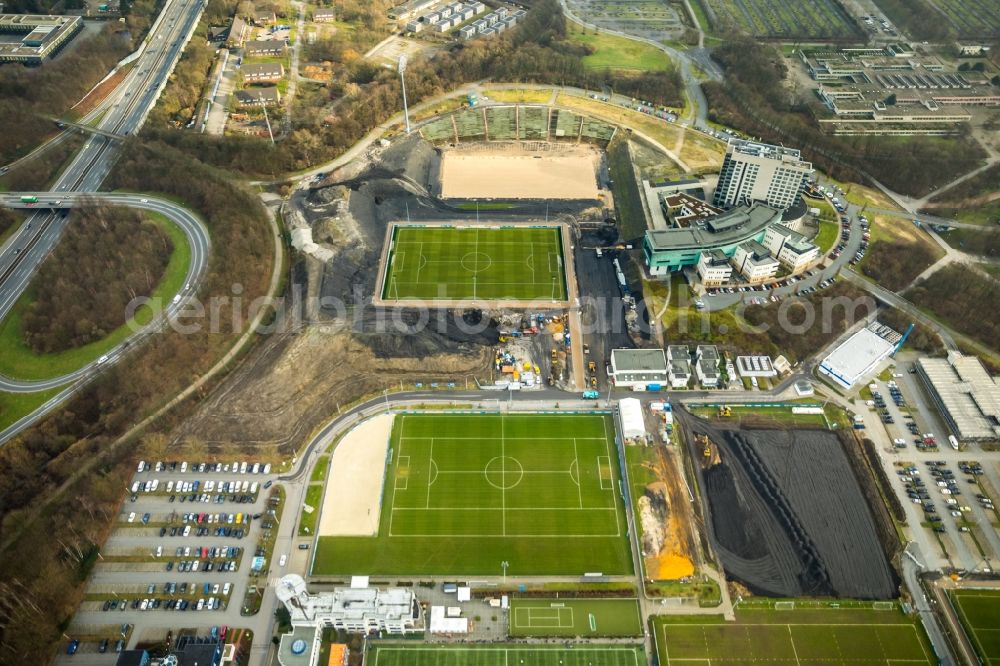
(179, 556)
(948, 494)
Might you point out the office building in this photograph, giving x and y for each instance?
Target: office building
(759, 172)
(671, 250)
(755, 262)
(714, 268)
(637, 369)
(42, 38)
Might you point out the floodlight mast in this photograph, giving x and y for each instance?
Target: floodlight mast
(402, 80)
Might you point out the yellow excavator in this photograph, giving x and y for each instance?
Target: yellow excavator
(725, 410)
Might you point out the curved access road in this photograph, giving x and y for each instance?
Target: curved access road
(198, 240)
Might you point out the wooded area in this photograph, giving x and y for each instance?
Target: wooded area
(895, 265)
(106, 258)
(754, 99)
(536, 52)
(45, 565)
(8, 219)
(954, 292)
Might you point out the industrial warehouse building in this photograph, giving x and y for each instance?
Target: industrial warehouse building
(638, 369)
(860, 354)
(755, 171)
(43, 36)
(965, 394)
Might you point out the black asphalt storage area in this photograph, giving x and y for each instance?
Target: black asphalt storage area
(787, 515)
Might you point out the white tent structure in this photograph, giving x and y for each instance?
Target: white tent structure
(633, 426)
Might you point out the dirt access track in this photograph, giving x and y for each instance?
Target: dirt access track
(787, 516)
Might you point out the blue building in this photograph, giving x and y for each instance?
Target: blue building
(671, 250)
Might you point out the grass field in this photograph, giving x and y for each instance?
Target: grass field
(979, 611)
(831, 636)
(307, 519)
(616, 53)
(464, 493)
(575, 617)
(15, 405)
(828, 234)
(492, 263)
(501, 655)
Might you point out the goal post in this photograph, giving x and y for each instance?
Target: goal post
(784, 605)
(883, 605)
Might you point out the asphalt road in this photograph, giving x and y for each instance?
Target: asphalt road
(199, 242)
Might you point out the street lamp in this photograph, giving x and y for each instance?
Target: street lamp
(402, 80)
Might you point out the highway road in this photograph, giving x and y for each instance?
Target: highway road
(124, 112)
(128, 107)
(198, 241)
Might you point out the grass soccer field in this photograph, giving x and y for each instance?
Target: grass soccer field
(464, 493)
(575, 617)
(475, 263)
(979, 611)
(830, 636)
(505, 655)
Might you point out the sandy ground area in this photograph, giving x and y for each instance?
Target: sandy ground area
(482, 175)
(354, 488)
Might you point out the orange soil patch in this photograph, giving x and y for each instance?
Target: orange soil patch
(98, 94)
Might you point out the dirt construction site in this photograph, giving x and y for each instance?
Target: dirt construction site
(330, 344)
(787, 514)
(669, 546)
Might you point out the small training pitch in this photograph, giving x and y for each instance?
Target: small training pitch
(474, 263)
(605, 618)
(979, 611)
(828, 636)
(489, 494)
(505, 655)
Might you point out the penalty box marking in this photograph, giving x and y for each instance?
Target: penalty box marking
(543, 617)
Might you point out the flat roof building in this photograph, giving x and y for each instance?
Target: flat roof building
(679, 370)
(638, 368)
(860, 354)
(790, 248)
(755, 366)
(965, 394)
(755, 171)
(43, 36)
(714, 268)
(707, 366)
(324, 15)
(670, 250)
(356, 609)
(755, 262)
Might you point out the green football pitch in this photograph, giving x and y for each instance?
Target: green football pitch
(850, 637)
(480, 263)
(465, 493)
(575, 617)
(979, 611)
(505, 655)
